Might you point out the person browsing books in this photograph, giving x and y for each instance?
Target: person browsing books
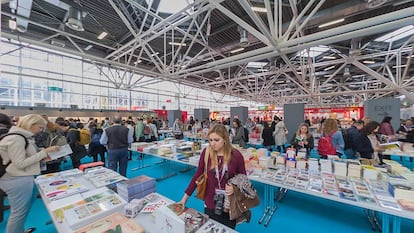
(18, 180)
(224, 162)
(303, 139)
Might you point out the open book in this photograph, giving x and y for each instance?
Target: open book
(391, 146)
(63, 151)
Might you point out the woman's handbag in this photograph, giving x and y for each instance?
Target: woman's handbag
(201, 181)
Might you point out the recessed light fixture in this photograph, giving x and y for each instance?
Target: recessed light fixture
(88, 47)
(177, 44)
(256, 64)
(331, 23)
(329, 57)
(368, 62)
(102, 35)
(137, 62)
(12, 24)
(237, 50)
(299, 72)
(329, 68)
(400, 66)
(259, 9)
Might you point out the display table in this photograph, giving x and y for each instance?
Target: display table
(391, 219)
(84, 199)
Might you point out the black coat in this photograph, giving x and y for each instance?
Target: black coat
(267, 135)
(363, 145)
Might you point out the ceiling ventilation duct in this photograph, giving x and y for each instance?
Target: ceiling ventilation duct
(75, 19)
(375, 3)
(244, 41)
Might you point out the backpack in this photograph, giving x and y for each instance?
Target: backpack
(85, 137)
(96, 136)
(147, 130)
(325, 146)
(246, 134)
(2, 166)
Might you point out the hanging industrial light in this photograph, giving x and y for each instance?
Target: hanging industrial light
(75, 19)
(244, 40)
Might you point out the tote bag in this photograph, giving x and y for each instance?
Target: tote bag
(201, 181)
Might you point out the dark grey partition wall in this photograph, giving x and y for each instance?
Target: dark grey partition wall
(377, 109)
(294, 114)
(172, 115)
(239, 112)
(201, 114)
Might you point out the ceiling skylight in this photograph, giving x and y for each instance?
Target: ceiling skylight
(397, 34)
(172, 6)
(313, 51)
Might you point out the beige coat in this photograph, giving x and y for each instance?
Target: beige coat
(24, 162)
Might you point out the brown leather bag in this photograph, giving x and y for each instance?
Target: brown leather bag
(201, 181)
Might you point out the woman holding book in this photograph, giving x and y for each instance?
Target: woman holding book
(223, 163)
(303, 139)
(24, 164)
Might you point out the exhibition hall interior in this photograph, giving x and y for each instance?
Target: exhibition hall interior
(315, 96)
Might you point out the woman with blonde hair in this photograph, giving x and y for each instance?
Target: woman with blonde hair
(303, 139)
(24, 164)
(330, 128)
(224, 162)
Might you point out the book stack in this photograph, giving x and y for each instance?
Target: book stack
(313, 165)
(340, 167)
(102, 176)
(345, 190)
(301, 163)
(369, 172)
(64, 187)
(136, 188)
(115, 222)
(329, 186)
(173, 218)
(354, 168)
(382, 195)
(291, 163)
(326, 165)
(81, 209)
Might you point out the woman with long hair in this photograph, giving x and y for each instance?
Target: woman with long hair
(224, 162)
(303, 139)
(368, 145)
(330, 128)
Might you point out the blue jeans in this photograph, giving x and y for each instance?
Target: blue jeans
(118, 158)
(19, 191)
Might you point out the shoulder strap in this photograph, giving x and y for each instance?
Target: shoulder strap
(15, 133)
(206, 156)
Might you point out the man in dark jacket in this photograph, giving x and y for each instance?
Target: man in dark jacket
(73, 138)
(351, 138)
(117, 140)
